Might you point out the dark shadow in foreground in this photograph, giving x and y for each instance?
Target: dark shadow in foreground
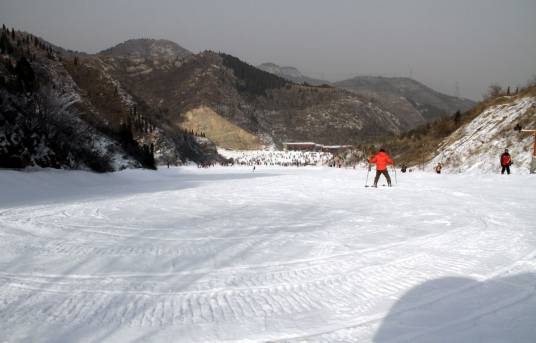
(501, 309)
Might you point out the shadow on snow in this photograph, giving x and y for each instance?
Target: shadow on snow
(453, 309)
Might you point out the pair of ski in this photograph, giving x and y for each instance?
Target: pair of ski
(372, 186)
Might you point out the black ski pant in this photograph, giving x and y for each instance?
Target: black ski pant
(385, 173)
(507, 168)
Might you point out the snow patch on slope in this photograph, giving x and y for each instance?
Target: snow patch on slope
(477, 146)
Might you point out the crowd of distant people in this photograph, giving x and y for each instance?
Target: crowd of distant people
(204, 164)
(282, 158)
(294, 158)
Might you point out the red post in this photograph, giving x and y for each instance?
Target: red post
(534, 147)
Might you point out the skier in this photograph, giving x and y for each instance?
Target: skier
(438, 168)
(506, 162)
(403, 168)
(381, 159)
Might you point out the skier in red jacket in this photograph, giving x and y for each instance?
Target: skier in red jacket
(506, 162)
(381, 159)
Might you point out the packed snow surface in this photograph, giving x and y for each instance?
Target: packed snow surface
(282, 254)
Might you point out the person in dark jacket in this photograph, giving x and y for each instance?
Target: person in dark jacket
(381, 159)
(506, 162)
(438, 168)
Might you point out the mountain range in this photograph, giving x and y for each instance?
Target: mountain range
(179, 104)
(208, 91)
(413, 102)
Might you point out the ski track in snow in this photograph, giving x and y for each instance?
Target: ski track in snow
(304, 254)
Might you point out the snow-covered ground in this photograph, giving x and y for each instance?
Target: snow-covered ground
(297, 254)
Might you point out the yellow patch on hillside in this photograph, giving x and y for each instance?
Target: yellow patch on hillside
(219, 130)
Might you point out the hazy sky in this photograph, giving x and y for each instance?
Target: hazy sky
(470, 42)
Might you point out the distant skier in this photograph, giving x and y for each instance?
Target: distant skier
(403, 168)
(381, 159)
(253, 169)
(506, 162)
(438, 168)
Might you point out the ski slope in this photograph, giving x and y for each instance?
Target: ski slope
(282, 254)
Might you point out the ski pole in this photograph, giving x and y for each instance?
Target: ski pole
(394, 169)
(368, 172)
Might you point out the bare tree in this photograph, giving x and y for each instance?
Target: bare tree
(494, 90)
(52, 112)
(532, 81)
(57, 123)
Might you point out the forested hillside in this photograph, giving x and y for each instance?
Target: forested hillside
(58, 110)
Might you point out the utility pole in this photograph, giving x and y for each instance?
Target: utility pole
(533, 162)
